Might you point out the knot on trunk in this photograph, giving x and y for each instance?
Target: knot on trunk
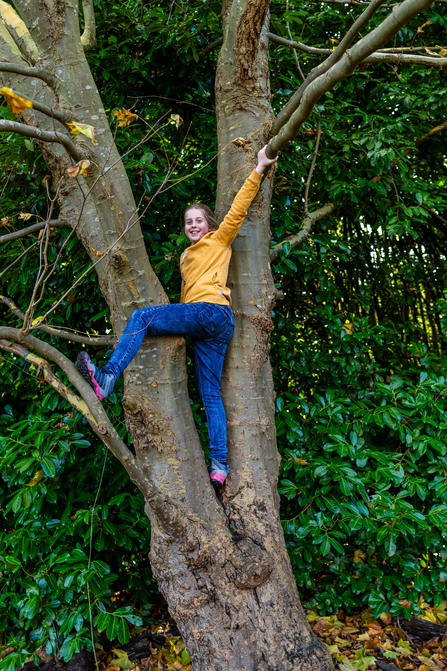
(251, 562)
(147, 428)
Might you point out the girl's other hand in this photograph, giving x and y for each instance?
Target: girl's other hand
(263, 161)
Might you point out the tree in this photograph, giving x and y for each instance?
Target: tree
(221, 564)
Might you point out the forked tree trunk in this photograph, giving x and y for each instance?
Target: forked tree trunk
(222, 565)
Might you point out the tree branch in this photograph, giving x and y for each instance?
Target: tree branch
(432, 131)
(60, 115)
(95, 341)
(363, 49)
(54, 223)
(43, 136)
(19, 32)
(211, 47)
(89, 406)
(304, 232)
(88, 37)
(334, 58)
(39, 73)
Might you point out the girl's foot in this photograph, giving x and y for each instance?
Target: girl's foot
(218, 473)
(100, 380)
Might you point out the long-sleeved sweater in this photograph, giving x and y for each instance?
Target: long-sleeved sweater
(204, 265)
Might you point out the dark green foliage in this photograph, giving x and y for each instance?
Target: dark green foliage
(358, 349)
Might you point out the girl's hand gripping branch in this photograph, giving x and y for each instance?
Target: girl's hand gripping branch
(263, 161)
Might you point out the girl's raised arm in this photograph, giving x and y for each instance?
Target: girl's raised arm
(232, 222)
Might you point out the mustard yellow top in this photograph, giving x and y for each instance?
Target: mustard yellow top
(204, 265)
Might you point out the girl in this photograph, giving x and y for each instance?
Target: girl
(204, 314)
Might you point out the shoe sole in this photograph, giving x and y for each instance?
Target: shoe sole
(87, 374)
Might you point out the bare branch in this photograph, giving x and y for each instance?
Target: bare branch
(88, 37)
(89, 405)
(211, 47)
(304, 232)
(299, 45)
(42, 135)
(15, 235)
(39, 73)
(19, 32)
(401, 59)
(371, 59)
(432, 131)
(363, 49)
(95, 341)
(312, 168)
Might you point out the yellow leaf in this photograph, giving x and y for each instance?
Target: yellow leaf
(348, 327)
(241, 141)
(4, 221)
(359, 556)
(442, 51)
(177, 119)
(81, 168)
(302, 462)
(16, 102)
(78, 128)
(97, 253)
(125, 117)
(37, 478)
(421, 28)
(36, 321)
(25, 215)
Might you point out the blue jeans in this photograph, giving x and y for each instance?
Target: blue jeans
(210, 326)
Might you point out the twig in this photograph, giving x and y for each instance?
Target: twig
(54, 223)
(94, 340)
(312, 168)
(305, 229)
(294, 50)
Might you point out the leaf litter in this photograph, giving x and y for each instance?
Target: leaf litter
(360, 642)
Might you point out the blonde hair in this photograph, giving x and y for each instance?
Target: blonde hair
(207, 212)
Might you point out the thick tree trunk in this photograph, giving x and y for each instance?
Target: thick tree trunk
(222, 565)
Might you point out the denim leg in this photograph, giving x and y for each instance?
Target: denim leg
(171, 319)
(199, 320)
(209, 356)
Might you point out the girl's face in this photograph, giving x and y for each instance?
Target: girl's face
(196, 226)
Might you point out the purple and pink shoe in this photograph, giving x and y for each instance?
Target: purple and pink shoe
(218, 473)
(100, 380)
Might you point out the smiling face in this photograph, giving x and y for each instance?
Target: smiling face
(196, 225)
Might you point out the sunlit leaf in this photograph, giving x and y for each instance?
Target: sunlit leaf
(15, 102)
(125, 117)
(82, 128)
(81, 168)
